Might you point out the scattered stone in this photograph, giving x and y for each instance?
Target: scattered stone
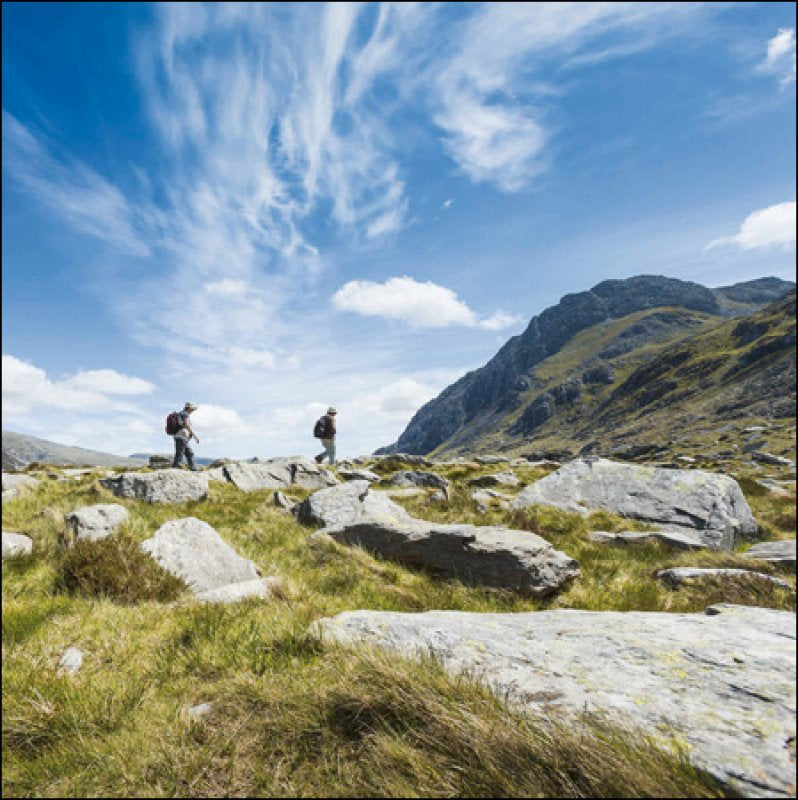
(676, 576)
(781, 552)
(263, 588)
(491, 459)
(281, 500)
(410, 478)
(769, 458)
(439, 497)
(686, 459)
(484, 497)
(507, 478)
(754, 429)
(359, 475)
(278, 473)
(164, 486)
(346, 503)
(16, 544)
(71, 661)
(199, 711)
(160, 462)
(13, 485)
(194, 552)
(721, 683)
(679, 539)
(94, 522)
(709, 504)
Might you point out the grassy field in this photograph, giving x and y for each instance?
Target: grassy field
(290, 715)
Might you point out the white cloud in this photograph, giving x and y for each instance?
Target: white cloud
(421, 305)
(447, 203)
(500, 320)
(27, 388)
(396, 401)
(780, 58)
(773, 226)
(227, 288)
(215, 424)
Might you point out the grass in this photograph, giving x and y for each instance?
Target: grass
(290, 715)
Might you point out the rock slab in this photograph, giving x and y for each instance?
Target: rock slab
(194, 552)
(676, 576)
(163, 486)
(278, 473)
(95, 522)
(13, 485)
(710, 504)
(16, 544)
(782, 552)
(723, 682)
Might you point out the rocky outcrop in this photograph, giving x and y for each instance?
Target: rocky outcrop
(278, 473)
(94, 522)
(708, 504)
(720, 683)
(16, 544)
(193, 551)
(164, 486)
(411, 478)
(677, 539)
(782, 552)
(490, 556)
(677, 576)
(359, 475)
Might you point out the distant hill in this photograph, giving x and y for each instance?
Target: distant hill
(19, 450)
(642, 359)
(202, 460)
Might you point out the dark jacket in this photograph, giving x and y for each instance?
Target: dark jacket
(329, 421)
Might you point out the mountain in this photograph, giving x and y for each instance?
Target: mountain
(202, 460)
(645, 357)
(19, 450)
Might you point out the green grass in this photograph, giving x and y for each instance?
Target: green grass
(292, 715)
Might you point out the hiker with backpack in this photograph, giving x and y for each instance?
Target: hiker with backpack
(178, 425)
(324, 429)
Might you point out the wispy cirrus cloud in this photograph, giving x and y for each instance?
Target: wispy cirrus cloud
(773, 226)
(780, 57)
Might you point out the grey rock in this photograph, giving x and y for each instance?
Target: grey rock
(491, 459)
(281, 500)
(164, 486)
(198, 711)
(216, 474)
(485, 497)
(782, 552)
(346, 503)
(71, 661)
(769, 458)
(439, 497)
(160, 462)
(13, 485)
(724, 683)
(94, 522)
(194, 552)
(410, 478)
(16, 544)
(753, 429)
(263, 588)
(507, 478)
(676, 576)
(710, 504)
(678, 539)
(279, 473)
(359, 475)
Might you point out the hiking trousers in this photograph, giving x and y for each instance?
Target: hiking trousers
(329, 451)
(182, 448)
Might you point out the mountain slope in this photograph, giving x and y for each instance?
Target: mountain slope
(19, 450)
(554, 378)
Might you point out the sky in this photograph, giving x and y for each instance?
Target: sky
(266, 209)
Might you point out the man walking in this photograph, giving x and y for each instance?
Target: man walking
(183, 436)
(325, 430)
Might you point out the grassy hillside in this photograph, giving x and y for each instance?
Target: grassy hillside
(20, 449)
(290, 715)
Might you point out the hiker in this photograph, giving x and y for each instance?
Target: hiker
(183, 437)
(325, 430)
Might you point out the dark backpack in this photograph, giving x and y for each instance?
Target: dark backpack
(321, 427)
(173, 423)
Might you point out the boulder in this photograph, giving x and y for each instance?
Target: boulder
(16, 544)
(410, 478)
(13, 485)
(709, 504)
(507, 478)
(348, 502)
(484, 497)
(216, 474)
(194, 552)
(679, 539)
(782, 552)
(282, 501)
(769, 458)
(94, 522)
(492, 459)
(71, 660)
(676, 576)
(164, 486)
(721, 683)
(262, 588)
(278, 473)
(359, 475)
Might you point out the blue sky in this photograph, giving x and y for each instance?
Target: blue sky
(265, 209)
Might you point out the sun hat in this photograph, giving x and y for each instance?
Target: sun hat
(331, 410)
(189, 407)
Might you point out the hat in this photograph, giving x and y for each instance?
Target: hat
(189, 407)
(331, 410)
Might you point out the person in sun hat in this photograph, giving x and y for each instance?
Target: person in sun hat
(325, 430)
(184, 435)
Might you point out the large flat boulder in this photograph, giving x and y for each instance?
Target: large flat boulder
(13, 485)
(16, 544)
(193, 551)
(678, 539)
(163, 486)
(710, 504)
(489, 556)
(782, 552)
(407, 477)
(723, 682)
(677, 576)
(278, 473)
(94, 522)
(260, 588)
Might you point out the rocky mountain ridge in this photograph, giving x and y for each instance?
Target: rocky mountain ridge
(20, 449)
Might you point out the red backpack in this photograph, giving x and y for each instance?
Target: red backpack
(173, 423)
